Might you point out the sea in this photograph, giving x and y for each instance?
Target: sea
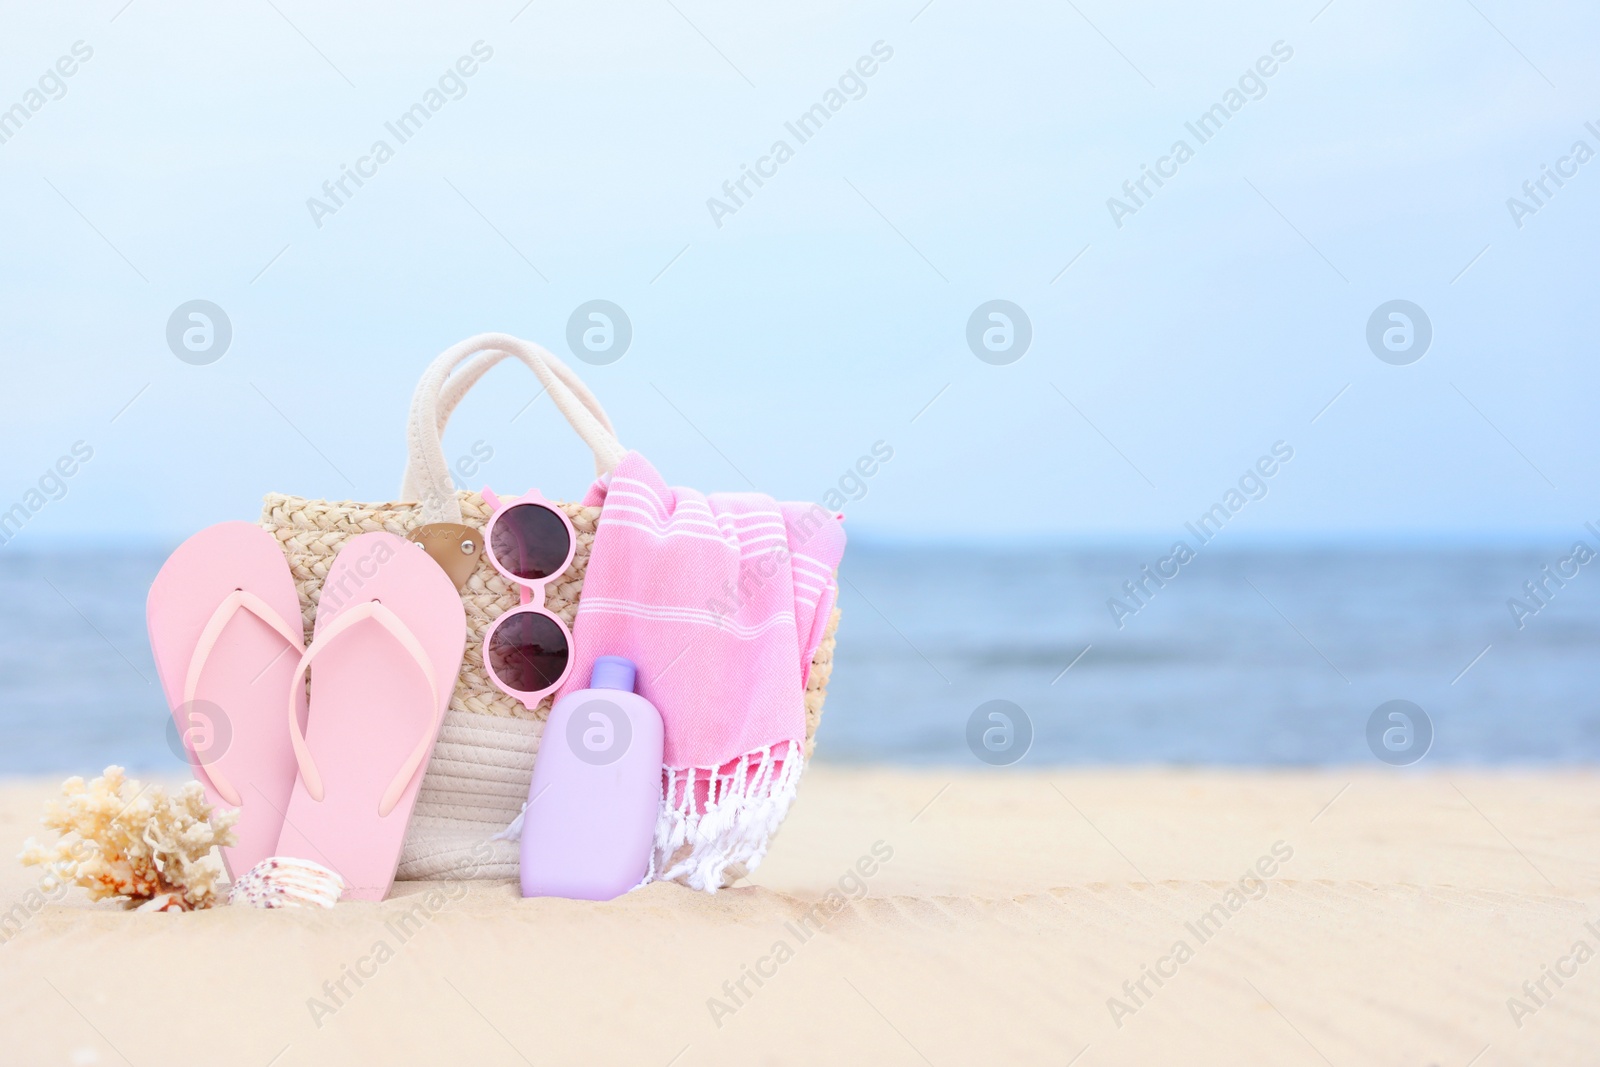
(1267, 656)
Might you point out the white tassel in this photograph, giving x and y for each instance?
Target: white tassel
(742, 811)
(513, 832)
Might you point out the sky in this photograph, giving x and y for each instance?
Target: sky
(1177, 334)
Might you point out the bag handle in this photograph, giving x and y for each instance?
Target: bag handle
(463, 380)
(427, 477)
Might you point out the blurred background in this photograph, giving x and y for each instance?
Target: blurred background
(980, 249)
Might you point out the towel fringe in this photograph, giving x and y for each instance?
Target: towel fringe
(733, 825)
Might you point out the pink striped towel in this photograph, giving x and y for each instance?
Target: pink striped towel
(721, 601)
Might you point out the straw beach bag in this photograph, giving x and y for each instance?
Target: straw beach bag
(478, 777)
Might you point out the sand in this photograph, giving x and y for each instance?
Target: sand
(1390, 919)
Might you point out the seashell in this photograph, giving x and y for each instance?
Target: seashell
(287, 882)
(164, 902)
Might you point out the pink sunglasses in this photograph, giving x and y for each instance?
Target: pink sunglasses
(528, 651)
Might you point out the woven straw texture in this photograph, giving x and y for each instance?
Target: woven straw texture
(478, 776)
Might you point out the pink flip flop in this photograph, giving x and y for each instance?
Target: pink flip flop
(390, 633)
(224, 622)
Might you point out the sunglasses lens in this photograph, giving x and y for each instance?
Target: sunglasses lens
(530, 541)
(528, 652)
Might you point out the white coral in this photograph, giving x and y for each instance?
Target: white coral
(119, 839)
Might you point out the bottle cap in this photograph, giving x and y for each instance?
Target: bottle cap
(613, 672)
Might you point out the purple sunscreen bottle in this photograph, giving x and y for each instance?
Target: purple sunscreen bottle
(590, 822)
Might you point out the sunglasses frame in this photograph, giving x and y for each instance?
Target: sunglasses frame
(531, 591)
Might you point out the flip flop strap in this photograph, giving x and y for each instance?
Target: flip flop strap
(230, 606)
(326, 636)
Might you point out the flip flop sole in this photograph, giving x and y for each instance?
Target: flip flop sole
(369, 708)
(237, 719)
